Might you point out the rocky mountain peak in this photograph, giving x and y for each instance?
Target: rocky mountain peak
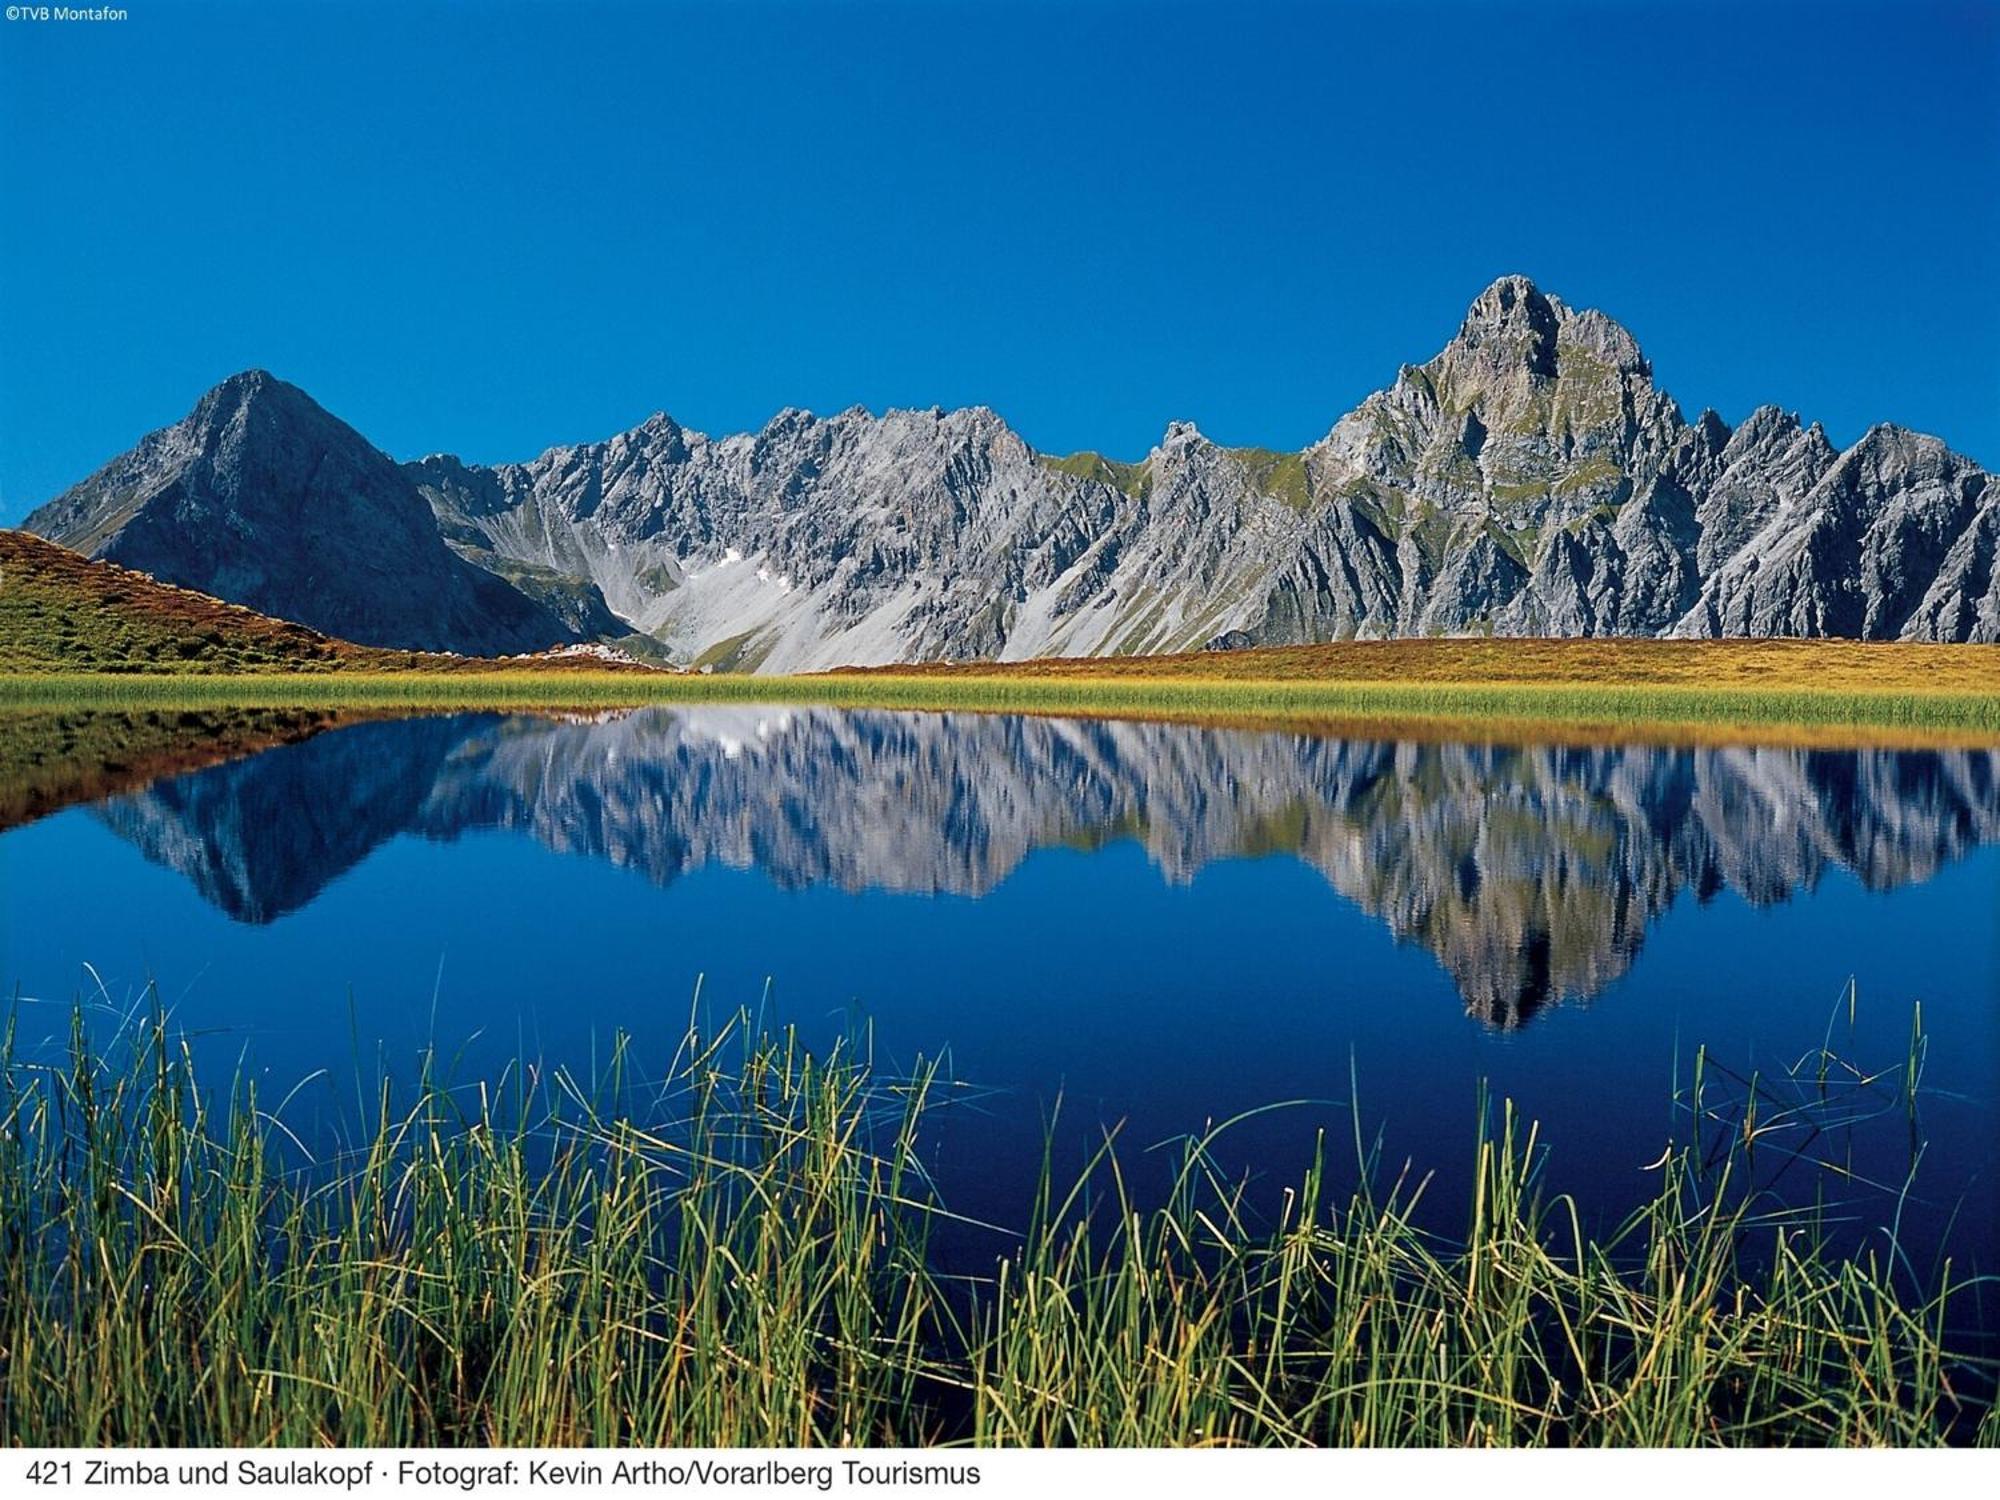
(1766, 424)
(262, 497)
(242, 384)
(1551, 385)
(274, 405)
(790, 419)
(1513, 329)
(1510, 326)
(658, 439)
(1507, 296)
(247, 385)
(1889, 455)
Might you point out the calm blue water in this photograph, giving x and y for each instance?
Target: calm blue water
(1159, 925)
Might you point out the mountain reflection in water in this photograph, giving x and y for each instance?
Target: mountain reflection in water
(1531, 873)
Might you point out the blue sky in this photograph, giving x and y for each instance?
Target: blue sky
(489, 229)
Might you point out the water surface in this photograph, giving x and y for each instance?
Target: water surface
(1154, 926)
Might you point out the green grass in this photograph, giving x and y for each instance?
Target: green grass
(1280, 475)
(750, 1261)
(1135, 480)
(62, 613)
(1627, 707)
(738, 653)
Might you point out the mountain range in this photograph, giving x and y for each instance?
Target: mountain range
(1531, 479)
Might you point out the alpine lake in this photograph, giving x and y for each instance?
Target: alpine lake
(1095, 927)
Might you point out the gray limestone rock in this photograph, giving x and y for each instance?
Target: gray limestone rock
(1531, 479)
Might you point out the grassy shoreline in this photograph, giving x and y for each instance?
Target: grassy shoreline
(1673, 709)
(526, 1263)
(81, 634)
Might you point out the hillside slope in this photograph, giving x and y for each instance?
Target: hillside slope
(62, 612)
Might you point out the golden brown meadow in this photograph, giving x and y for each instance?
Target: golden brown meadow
(75, 633)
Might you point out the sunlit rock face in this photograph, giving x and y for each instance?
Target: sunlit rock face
(1531, 873)
(1530, 479)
